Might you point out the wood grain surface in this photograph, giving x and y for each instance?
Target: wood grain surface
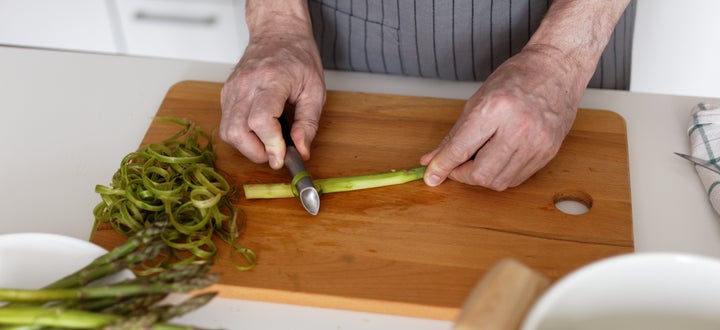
(409, 249)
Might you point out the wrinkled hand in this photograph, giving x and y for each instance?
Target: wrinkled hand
(513, 125)
(275, 68)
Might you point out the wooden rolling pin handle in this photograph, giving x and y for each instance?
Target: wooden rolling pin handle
(502, 297)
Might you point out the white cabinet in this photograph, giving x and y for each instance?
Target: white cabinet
(67, 24)
(205, 30)
(208, 30)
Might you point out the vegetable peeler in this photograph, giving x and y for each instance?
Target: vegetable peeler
(302, 182)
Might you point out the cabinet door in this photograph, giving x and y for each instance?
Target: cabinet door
(207, 30)
(68, 24)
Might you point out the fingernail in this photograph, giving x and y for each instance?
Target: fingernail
(433, 180)
(274, 162)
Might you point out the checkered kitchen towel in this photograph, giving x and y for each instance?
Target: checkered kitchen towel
(704, 132)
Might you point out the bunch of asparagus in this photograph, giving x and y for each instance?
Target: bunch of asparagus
(78, 302)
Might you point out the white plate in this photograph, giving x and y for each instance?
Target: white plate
(634, 291)
(33, 260)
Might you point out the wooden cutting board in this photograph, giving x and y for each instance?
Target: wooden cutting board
(410, 249)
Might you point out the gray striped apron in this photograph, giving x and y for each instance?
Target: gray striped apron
(452, 39)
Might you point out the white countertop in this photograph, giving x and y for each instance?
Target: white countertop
(67, 119)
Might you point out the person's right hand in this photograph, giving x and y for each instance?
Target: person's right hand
(281, 64)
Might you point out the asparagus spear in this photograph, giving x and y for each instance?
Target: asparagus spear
(106, 291)
(78, 319)
(144, 245)
(332, 185)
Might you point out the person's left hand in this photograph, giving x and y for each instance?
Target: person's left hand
(513, 125)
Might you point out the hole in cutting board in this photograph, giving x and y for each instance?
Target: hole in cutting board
(573, 202)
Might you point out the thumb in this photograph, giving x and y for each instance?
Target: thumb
(438, 169)
(449, 155)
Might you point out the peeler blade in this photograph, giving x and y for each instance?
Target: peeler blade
(309, 196)
(710, 165)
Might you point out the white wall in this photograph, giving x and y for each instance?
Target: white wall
(677, 47)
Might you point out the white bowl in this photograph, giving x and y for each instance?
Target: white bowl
(33, 260)
(635, 291)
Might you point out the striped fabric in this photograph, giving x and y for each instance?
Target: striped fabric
(704, 133)
(453, 39)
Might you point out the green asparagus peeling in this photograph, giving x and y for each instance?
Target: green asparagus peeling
(175, 179)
